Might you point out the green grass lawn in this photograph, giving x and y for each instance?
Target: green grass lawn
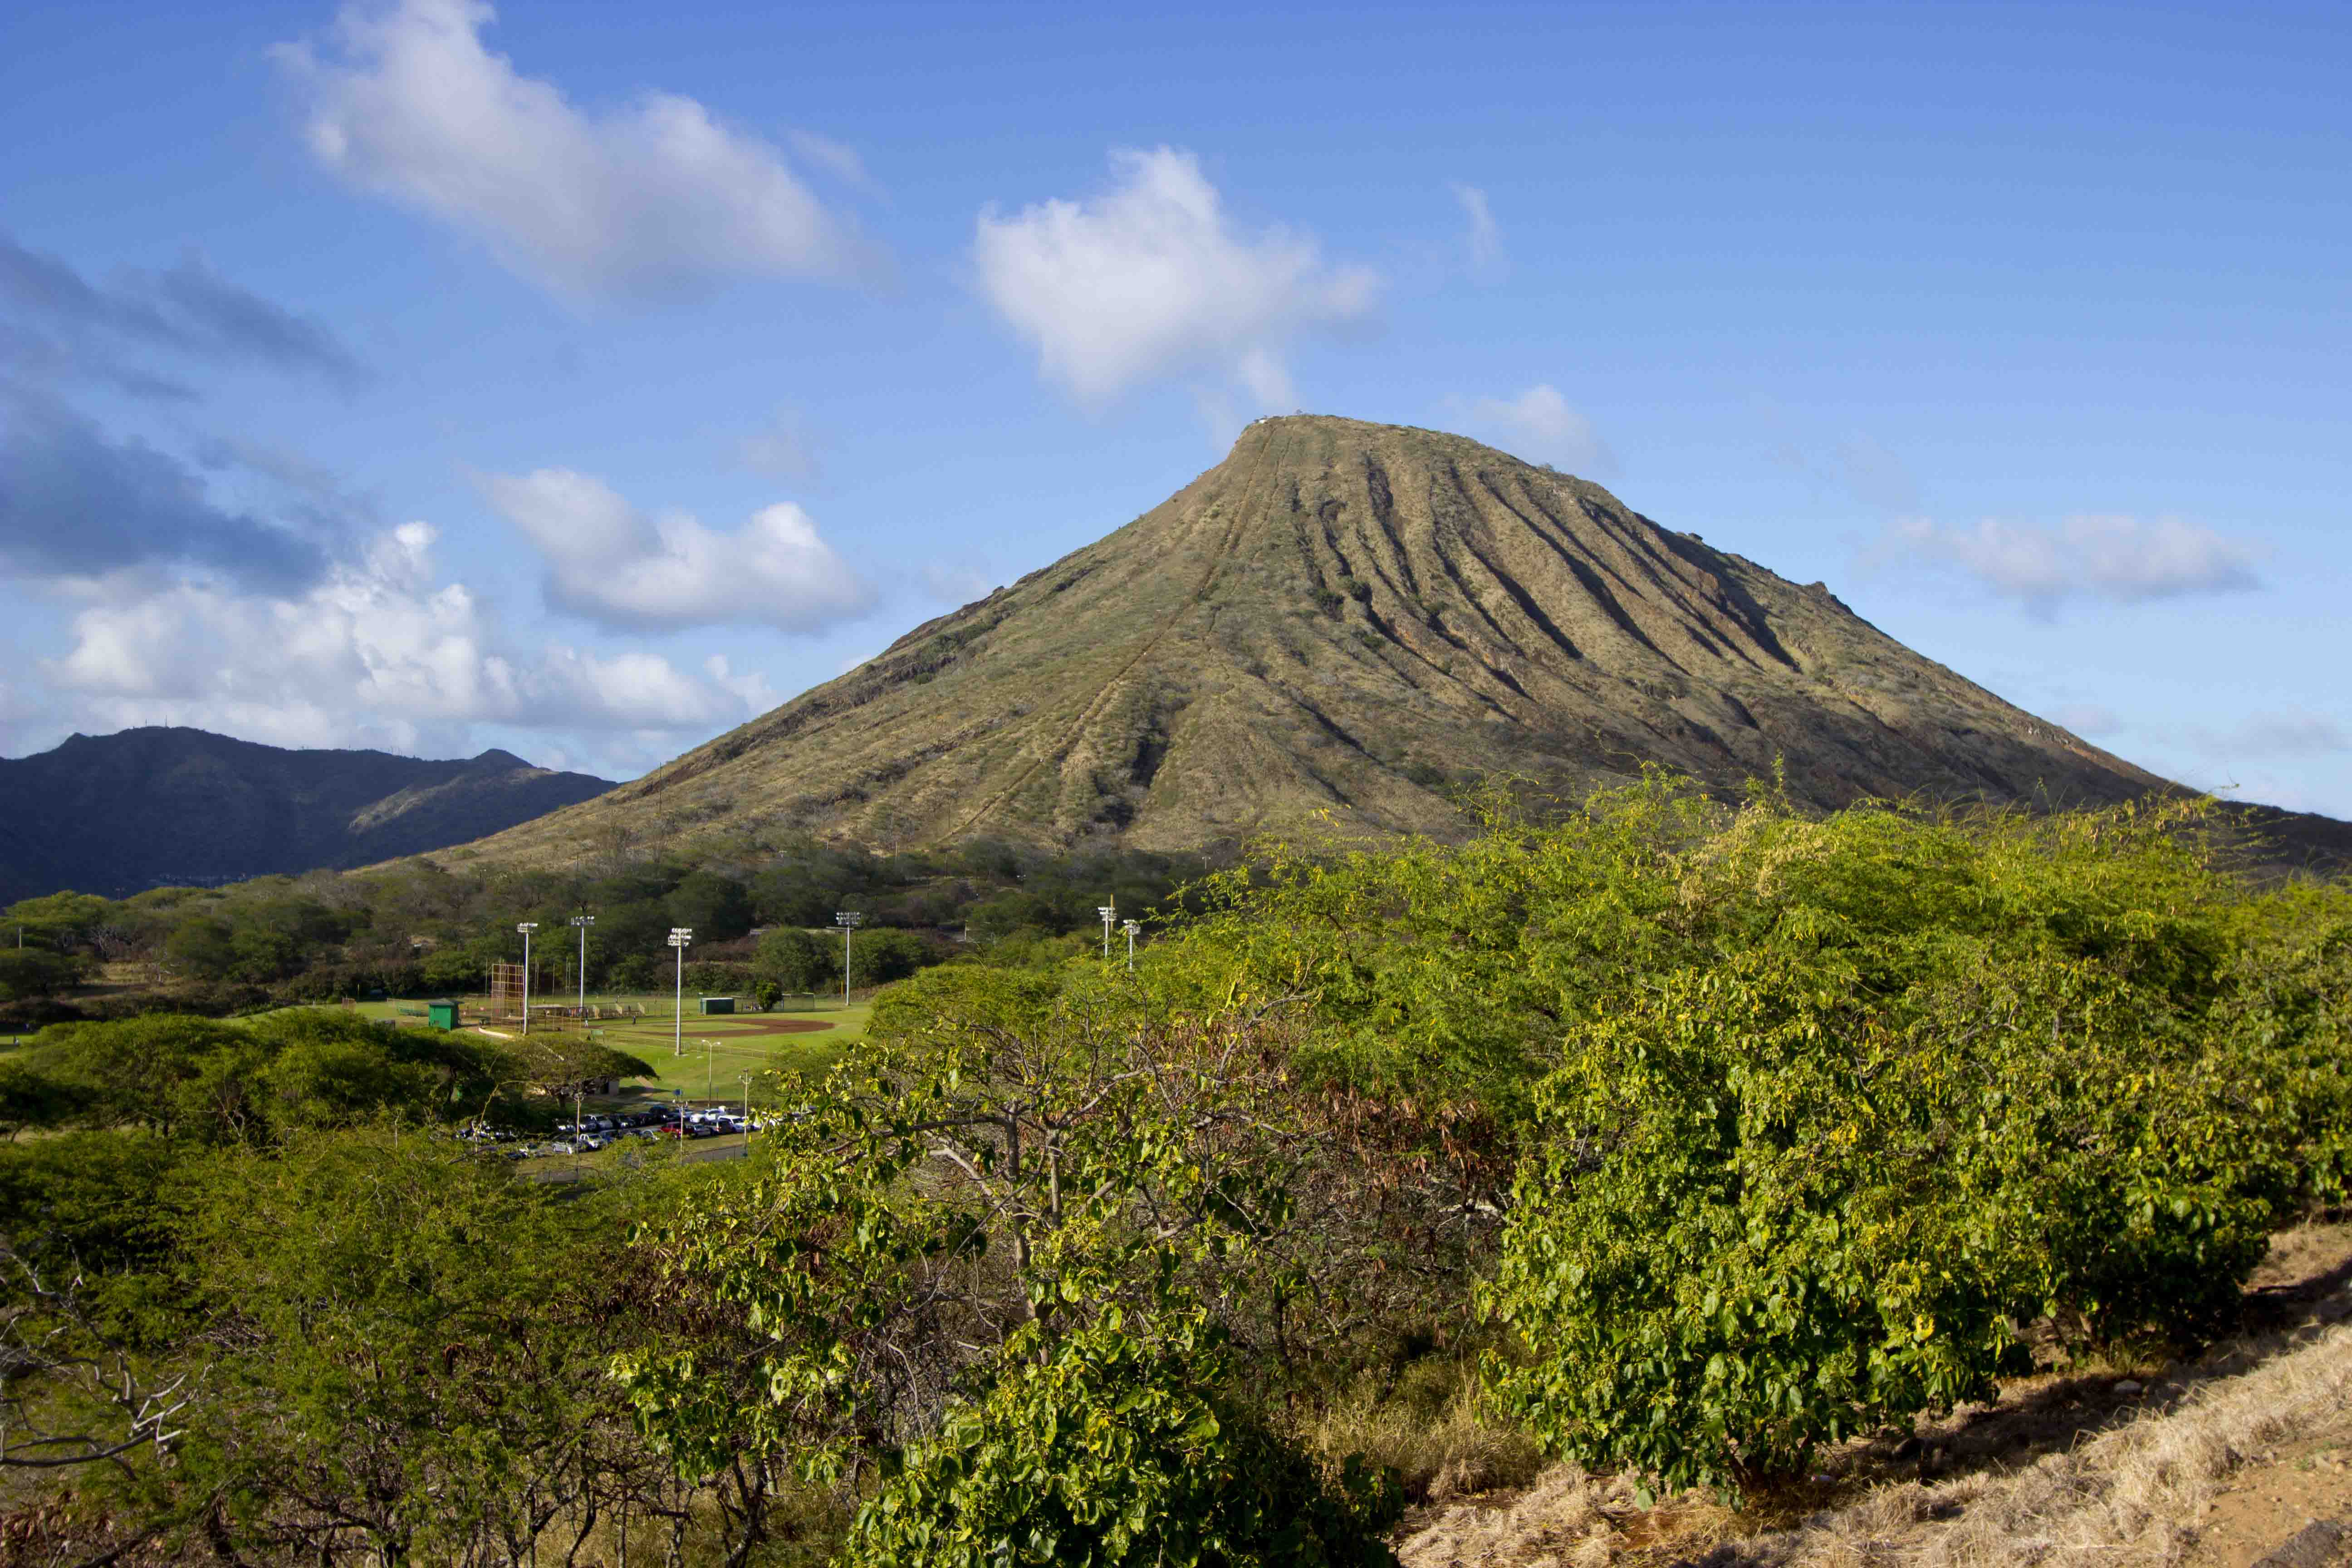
(716, 1050)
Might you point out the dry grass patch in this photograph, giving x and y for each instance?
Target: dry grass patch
(1433, 1427)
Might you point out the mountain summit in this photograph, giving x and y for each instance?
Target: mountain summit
(1340, 617)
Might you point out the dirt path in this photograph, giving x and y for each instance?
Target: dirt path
(2276, 1495)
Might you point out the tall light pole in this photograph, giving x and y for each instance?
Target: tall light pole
(1107, 911)
(526, 928)
(1130, 928)
(680, 937)
(848, 920)
(580, 925)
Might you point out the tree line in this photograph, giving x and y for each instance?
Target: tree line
(430, 927)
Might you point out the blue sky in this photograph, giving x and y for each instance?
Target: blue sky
(585, 379)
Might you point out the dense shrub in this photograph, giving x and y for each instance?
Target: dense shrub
(1765, 1214)
(1113, 1449)
(796, 960)
(1805, 1122)
(30, 974)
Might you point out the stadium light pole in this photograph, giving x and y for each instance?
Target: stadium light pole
(680, 936)
(1130, 928)
(1107, 911)
(848, 920)
(580, 925)
(526, 928)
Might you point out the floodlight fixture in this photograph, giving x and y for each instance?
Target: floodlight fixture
(680, 937)
(580, 925)
(848, 920)
(527, 927)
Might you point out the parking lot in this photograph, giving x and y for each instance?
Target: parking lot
(598, 1130)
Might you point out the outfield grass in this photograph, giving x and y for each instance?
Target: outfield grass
(716, 1050)
(719, 1050)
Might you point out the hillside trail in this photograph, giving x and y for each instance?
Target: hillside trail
(2241, 1458)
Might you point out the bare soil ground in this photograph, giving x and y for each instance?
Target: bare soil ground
(2215, 1463)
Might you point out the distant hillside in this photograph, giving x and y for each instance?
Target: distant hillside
(1338, 622)
(155, 806)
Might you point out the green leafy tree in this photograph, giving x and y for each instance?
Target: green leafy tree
(1089, 1166)
(59, 921)
(879, 956)
(34, 974)
(410, 1361)
(718, 907)
(797, 959)
(203, 946)
(1109, 1447)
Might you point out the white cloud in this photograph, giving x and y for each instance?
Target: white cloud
(611, 564)
(2123, 559)
(1541, 426)
(1487, 262)
(629, 201)
(751, 687)
(1149, 278)
(378, 653)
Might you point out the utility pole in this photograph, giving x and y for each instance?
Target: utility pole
(526, 928)
(848, 920)
(580, 925)
(1108, 912)
(680, 937)
(1130, 927)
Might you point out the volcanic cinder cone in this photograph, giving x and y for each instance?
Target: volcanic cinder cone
(1339, 618)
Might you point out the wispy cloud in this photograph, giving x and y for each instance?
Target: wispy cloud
(2087, 719)
(1878, 477)
(644, 199)
(1149, 278)
(2124, 560)
(781, 449)
(62, 323)
(1541, 426)
(74, 503)
(2279, 734)
(1485, 240)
